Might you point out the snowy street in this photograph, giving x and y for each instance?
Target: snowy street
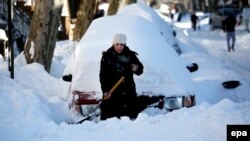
(213, 49)
(216, 46)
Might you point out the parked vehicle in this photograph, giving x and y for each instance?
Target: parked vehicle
(217, 17)
(149, 14)
(165, 73)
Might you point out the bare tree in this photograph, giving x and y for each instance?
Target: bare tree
(113, 6)
(126, 2)
(85, 16)
(42, 38)
(66, 32)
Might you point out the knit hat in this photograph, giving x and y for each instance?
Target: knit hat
(119, 38)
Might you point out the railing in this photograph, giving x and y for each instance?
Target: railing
(21, 21)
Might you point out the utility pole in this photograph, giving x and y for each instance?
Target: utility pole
(11, 48)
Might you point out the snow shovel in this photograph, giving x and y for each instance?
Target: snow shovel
(106, 97)
(95, 112)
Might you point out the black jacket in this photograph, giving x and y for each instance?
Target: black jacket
(113, 67)
(229, 24)
(194, 18)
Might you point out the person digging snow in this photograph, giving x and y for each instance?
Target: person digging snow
(116, 63)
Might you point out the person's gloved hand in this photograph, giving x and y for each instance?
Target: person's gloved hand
(106, 96)
(134, 67)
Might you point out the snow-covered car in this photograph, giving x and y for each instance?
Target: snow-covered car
(151, 15)
(164, 71)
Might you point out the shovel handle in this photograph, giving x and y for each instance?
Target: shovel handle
(113, 88)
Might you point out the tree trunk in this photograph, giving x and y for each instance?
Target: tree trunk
(42, 38)
(126, 2)
(65, 22)
(85, 16)
(113, 6)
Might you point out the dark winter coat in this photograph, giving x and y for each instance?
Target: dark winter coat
(229, 23)
(194, 19)
(113, 67)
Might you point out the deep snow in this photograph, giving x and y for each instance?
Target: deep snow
(34, 105)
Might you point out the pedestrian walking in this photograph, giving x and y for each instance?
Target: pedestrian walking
(229, 27)
(194, 20)
(246, 17)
